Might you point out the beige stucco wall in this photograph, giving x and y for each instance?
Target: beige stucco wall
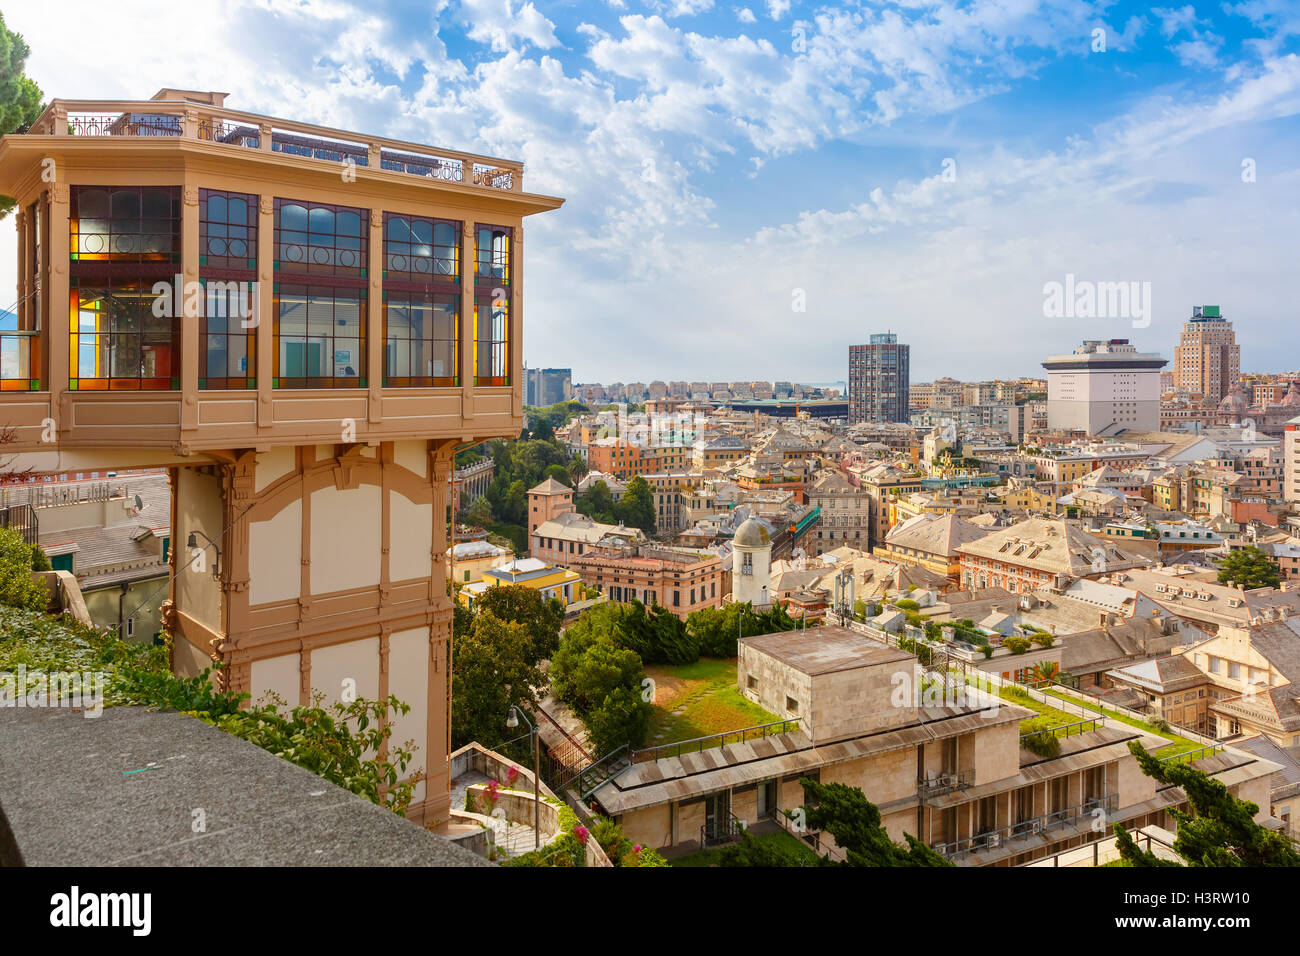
(198, 508)
(356, 660)
(188, 660)
(408, 680)
(279, 675)
(348, 522)
(275, 556)
(410, 538)
(273, 465)
(413, 456)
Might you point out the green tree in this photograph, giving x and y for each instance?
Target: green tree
(636, 508)
(17, 586)
(847, 815)
(518, 604)
(20, 97)
(560, 473)
(1250, 568)
(1219, 830)
(597, 503)
(479, 512)
(749, 852)
(490, 674)
(601, 679)
(716, 629)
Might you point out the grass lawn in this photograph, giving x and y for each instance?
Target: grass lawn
(784, 840)
(1176, 745)
(696, 700)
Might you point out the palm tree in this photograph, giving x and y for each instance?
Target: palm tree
(1047, 671)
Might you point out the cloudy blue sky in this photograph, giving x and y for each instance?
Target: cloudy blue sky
(924, 167)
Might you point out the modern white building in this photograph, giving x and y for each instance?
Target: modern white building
(1105, 387)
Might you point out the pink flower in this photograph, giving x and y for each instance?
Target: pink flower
(512, 775)
(636, 848)
(580, 832)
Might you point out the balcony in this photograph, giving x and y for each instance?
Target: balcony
(201, 122)
(1090, 811)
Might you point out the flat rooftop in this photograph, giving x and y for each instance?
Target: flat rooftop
(825, 650)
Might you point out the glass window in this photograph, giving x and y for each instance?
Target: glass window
(320, 337)
(228, 339)
(320, 239)
(116, 341)
(125, 223)
(417, 248)
(491, 340)
(420, 340)
(227, 230)
(492, 255)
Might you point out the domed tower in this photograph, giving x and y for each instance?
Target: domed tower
(751, 567)
(1234, 406)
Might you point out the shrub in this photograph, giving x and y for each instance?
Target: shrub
(1040, 739)
(1042, 639)
(17, 586)
(907, 604)
(1015, 644)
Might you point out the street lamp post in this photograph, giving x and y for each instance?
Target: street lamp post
(512, 722)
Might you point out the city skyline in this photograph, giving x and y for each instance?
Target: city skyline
(971, 156)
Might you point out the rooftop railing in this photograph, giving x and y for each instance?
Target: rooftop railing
(197, 121)
(700, 744)
(1099, 810)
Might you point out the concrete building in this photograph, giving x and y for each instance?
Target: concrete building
(879, 375)
(1207, 360)
(1103, 388)
(951, 772)
(307, 403)
(547, 386)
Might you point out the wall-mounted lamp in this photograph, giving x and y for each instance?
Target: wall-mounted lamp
(192, 542)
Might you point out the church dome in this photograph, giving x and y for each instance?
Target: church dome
(1292, 397)
(1234, 403)
(752, 533)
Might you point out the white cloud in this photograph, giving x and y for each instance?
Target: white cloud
(746, 15)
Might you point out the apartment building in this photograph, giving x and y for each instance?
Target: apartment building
(879, 373)
(931, 541)
(1041, 552)
(845, 511)
(954, 775)
(1207, 360)
(301, 324)
(679, 579)
(569, 535)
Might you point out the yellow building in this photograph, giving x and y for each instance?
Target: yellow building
(550, 580)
